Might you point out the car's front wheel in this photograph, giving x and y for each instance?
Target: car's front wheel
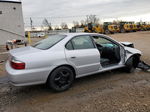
(61, 79)
(132, 64)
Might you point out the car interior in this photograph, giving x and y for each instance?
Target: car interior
(109, 51)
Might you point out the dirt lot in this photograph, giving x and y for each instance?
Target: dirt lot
(114, 91)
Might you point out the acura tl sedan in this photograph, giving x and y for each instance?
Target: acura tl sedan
(59, 59)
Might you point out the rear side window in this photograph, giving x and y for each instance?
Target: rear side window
(49, 42)
(80, 42)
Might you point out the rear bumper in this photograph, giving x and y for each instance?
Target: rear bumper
(28, 76)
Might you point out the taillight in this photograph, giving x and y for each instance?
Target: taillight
(15, 64)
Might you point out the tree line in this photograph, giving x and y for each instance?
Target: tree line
(77, 24)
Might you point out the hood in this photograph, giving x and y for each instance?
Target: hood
(128, 44)
(23, 51)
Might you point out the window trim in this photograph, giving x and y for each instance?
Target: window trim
(94, 46)
(71, 45)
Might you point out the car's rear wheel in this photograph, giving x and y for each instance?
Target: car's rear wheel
(61, 79)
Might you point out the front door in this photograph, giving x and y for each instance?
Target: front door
(82, 53)
(110, 51)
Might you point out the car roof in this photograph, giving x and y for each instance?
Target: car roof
(78, 34)
(70, 35)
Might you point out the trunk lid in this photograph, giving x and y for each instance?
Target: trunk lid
(23, 51)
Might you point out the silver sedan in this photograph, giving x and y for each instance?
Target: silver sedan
(59, 59)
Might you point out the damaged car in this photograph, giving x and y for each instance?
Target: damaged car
(59, 59)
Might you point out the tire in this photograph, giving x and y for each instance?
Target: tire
(131, 64)
(112, 32)
(61, 79)
(107, 32)
(123, 30)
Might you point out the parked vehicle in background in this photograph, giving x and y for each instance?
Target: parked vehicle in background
(143, 26)
(11, 44)
(134, 27)
(59, 59)
(110, 28)
(125, 27)
(94, 28)
(41, 34)
(106, 28)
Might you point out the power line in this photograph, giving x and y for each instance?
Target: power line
(55, 17)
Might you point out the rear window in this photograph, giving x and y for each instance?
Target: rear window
(49, 42)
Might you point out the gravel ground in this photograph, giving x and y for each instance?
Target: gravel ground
(113, 91)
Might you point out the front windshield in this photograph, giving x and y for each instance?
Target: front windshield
(49, 42)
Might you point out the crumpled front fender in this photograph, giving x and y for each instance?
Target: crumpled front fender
(131, 51)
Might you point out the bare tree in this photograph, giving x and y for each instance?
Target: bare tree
(47, 24)
(31, 23)
(83, 23)
(57, 27)
(92, 19)
(76, 24)
(64, 25)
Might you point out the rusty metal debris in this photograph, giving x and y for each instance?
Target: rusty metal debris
(144, 66)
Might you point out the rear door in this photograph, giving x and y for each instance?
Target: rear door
(82, 53)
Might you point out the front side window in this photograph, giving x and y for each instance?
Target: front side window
(82, 42)
(103, 42)
(49, 42)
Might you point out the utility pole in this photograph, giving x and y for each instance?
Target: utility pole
(87, 19)
(31, 23)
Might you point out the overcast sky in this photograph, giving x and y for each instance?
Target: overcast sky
(67, 9)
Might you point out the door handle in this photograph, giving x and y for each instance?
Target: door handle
(73, 57)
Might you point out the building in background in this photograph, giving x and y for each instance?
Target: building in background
(11, 21)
